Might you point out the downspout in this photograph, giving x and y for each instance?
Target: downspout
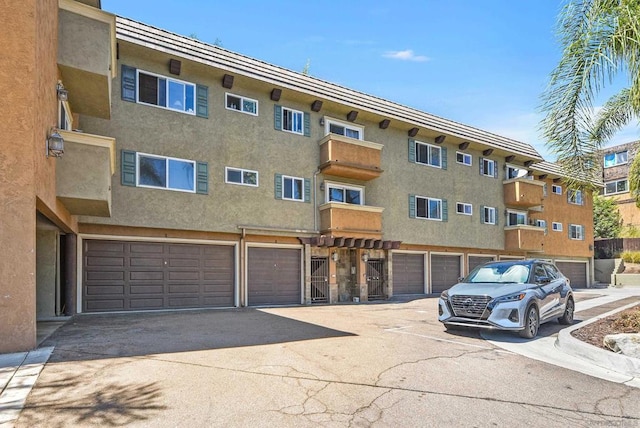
(315, 199)
(243, 286)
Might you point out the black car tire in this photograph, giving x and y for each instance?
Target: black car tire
(567, 316)
(531, 323)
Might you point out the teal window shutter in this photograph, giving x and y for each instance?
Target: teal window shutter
(412, 150)
(482, 219)
(495, 169)
(582, 234)
(128, 167)
(278, 186)
(277, 117)
(202, 101)
(307, 190)
(443, 153)
(481, 163)
(445, 210)
(412, 206)
(307, 124)
(129, 83)
(497, 216)
(202, 178)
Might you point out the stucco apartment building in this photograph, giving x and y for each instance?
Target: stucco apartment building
(616, 162)
(195, 177)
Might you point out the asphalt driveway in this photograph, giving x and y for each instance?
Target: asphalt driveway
(387, 364)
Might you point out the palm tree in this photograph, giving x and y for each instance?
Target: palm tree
(600, 40)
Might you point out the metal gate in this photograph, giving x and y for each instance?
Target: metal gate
(319, 280)
(375, 279)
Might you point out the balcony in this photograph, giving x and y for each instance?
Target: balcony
(83, 173)
(348, 220)
(87, 57)
(346, 157)
(523, 193)
(524, 238)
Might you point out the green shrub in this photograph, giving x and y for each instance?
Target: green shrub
(631, 256)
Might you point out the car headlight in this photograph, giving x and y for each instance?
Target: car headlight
(444, 295)
(510, 298)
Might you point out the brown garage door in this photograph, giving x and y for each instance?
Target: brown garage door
(478, 260)
(408, 273)
(576, 272)
(129, 276)
(445, 271)
(274, 276)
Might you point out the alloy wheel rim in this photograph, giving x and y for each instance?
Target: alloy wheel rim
(570, 310)
(533, 322)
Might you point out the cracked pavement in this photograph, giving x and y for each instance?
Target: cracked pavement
(386, 364)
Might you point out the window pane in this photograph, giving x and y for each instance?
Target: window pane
(233, 102)
(234, 176)
(467, 209)
(622, 186)
(421, 207)
(190, 98)
(249, 106)
(621, 157)
(434, 209)
(353, 196)
(352, 133)
(153, 172)
(181, 175)
(148, 89)
(288, 186)
(435, 156)
(250, 177)
(336, 129)
(422, 153)
(297, 189)
(336, 195)
(176, 96)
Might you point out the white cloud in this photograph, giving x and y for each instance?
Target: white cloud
(406, 55)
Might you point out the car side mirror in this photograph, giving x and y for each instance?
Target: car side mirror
(460, 279)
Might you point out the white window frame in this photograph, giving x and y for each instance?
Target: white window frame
(241, 171)
(293, 112)
(490, 215)
(556, 189)
(64, 112)
(556, 226)
(616, 186)
(577, 194)
(541, 223)
(166, 159)
(493, 163)
(616, 161)
(428, 200)
(464, 207)
(579, 232)
(328, 185)
(465, 157)
(429, 157)
(518, 214)
(241, 106)
(302, 195)
(329, 121)
(168, 79)
(521, 170)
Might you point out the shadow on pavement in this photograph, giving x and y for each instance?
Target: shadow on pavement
(89, 337)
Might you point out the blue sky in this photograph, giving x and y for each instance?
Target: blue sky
(481, 63)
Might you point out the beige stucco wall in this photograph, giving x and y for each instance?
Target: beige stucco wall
(46, 273)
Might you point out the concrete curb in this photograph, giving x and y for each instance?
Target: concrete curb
(608, 360)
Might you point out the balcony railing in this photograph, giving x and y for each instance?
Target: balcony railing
(350, 220)
(346, 157)
(523, 193)
(524, 238)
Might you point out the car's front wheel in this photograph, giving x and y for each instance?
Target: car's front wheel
(531, 323)
(567, 316)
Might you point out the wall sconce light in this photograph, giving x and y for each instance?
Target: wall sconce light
(365, 256)
(322, 186)
(55, 144)
(63, 94)
(334, 256)
(322, 121)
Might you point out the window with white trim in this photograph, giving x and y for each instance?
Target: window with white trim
(245, 177)
(292, 188)
(428, 154)
(617, 186)
(344, 194)
(464, 158)
(341, 128)
(541, 223)
(488, 167)
(241, 104)
(555, 189)
(428, 208)
(516, 172)
(556, 226)
(515, 218)
(575, 197)
(464, 208)
(162, 172)
(489, 215)
(576, 232)
(64, 116)
(292, 121)
(613, 159)
(166, 92)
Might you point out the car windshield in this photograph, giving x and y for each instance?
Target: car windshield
(500, 273)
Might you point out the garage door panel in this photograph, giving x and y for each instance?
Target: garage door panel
(274, 276)
(575, 271)
(478, 260)
(408, 273)
(102, 247)
(156, 275)
(445, 271)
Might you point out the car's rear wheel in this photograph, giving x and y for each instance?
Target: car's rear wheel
(567, 316)
(531, 323)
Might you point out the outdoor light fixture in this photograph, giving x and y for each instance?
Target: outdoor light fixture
(63, 94)
(365, 256)
(334, 256)
(55, 144)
